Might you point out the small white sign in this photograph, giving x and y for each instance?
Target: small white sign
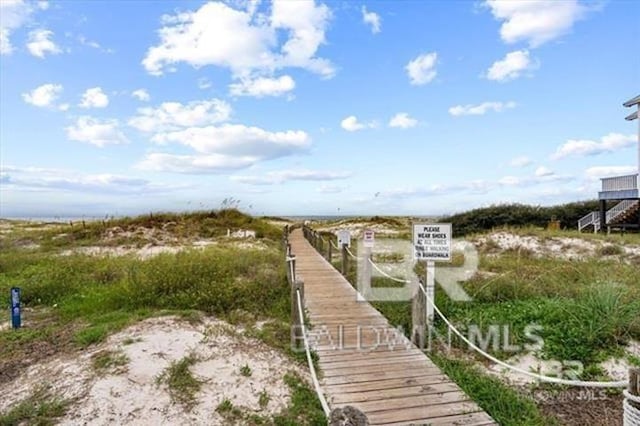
(368, 238)
(344, 237)
(432, 241)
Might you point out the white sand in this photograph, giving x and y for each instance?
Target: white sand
(131, 396)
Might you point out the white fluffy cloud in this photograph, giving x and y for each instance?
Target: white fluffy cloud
(141, 95)
(244, 40)
(403, 121)
(238, 140)
(351, 124)
(204, 83)
(194, 164)
(36, 178)
(282, 176)
(14, 13)
(224, 148)
(535, 21)
(512, 66)
(480, 109)
(174, 115)
(5, 44)
(263, 86)
(40, 43)
(582, 147)
(607, 171)
(543, 171)
(43, 96)
(94, 98)
(372, 19)
(520, 162)
(422, 70)
(214, 147)
(96, 132)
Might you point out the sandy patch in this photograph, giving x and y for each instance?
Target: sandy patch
(563, 247)
(527, 362)
(357, 228)
(131, 395)
(151, 250)
(618, 368)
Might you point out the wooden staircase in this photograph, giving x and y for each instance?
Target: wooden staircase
(619, 214)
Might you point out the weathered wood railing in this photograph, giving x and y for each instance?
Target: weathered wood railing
(620, 183)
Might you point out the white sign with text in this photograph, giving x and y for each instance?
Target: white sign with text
(344, 238)
(368, 238)
(432, 241)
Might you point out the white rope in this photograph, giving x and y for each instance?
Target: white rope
(631, 415)
(620, 384)
(316, 384)
(292, 270)
(630, 396)
(334, 246)
(398, 280)
(352, 255)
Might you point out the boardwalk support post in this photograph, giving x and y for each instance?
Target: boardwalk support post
(329, 252)
(297, 338)
(419, 318)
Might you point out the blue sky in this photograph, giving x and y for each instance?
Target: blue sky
(301, 107)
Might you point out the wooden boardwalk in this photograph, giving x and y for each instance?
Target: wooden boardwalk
(366, 363)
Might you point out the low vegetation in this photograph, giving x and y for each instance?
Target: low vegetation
(488, 218)
(76, 300)
(108, 361)
(304, 409)
(183, 386)
(586, 309)
(42, 407)
(507, 407)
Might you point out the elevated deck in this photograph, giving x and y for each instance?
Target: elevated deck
(620, 188)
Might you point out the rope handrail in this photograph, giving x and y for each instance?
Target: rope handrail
(352, 255)
(334, 246)
(314, 377)
(377, 268)
(556, 380)
(630, 396)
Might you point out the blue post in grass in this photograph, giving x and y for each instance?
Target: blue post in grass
(15, 307)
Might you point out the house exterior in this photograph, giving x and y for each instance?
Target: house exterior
(624, 191)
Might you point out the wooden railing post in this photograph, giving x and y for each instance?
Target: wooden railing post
(297, 338)
(291, 267)
(634, 385)
(365, 282)
(329, 251)
(418, 318)
(345, 260)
